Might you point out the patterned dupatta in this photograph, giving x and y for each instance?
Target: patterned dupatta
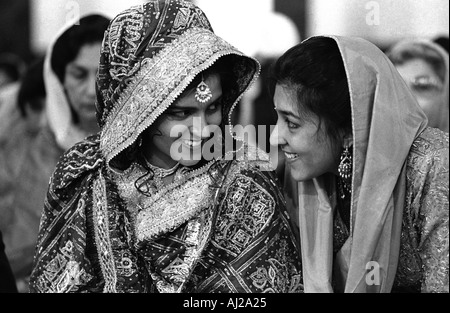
(142, 71)
(102, 235)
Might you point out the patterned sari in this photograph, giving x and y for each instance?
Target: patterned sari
(221, 227)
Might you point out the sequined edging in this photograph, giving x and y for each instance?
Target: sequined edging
(102, 234)
(137, 108)
(167, 214)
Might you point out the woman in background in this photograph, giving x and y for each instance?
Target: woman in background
(32, 145)
(7, 281)
(424, 65)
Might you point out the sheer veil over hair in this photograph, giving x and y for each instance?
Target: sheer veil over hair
(386, 120)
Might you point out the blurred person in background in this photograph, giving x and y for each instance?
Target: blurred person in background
(424, 65)
(11, 71)
(27, 159)
(11, 68)
(22, 109)
(7, 281)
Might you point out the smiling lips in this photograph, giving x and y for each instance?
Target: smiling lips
(291, 156)
(192, 143)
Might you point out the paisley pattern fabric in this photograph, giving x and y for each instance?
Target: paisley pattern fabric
(222, 227)
(143, 70)
(423, 262)
(93, 238)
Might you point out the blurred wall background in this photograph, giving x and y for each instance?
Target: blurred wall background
(15, 28)
(382, 21)
(27, 26)
(48, 16)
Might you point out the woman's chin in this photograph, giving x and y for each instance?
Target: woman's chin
(188, 162)
(299, 175)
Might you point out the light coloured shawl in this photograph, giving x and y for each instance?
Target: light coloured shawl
(386, 120)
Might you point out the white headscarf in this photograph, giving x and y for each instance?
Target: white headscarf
(57, 106)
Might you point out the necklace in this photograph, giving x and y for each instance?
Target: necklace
(159, 173)
(162, 172)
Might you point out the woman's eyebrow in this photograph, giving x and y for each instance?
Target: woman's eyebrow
(191, 107)
(174, 107)
(288, 113)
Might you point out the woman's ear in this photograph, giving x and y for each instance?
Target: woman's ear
(347, 140)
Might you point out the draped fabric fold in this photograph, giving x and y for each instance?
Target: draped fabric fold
(386, 120)
(99, 233)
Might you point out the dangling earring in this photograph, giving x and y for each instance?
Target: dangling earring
(345, 170)
(203, 93)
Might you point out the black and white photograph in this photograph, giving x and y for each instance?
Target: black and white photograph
(232, 152)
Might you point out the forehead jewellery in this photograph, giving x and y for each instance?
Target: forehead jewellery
(203, 93)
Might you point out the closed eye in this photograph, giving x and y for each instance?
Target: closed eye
(426, 84)
(423, 87)
(215, 106)
(179, 114)
(77, 73)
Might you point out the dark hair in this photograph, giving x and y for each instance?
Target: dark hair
(12, 65)
(443, 41)
(314, 70)
(32, 88)
(90, 30)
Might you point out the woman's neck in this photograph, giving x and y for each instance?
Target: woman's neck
(159, 161)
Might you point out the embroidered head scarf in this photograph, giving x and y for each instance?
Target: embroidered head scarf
(409, 45)
(385, 121)
(150, 54)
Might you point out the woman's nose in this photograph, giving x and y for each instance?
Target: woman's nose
(90, 85)
(199, 128)
(275, 139)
